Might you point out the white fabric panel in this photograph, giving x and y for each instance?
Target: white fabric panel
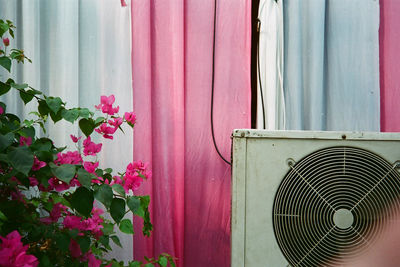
(80, 50)
(270, 65)
(331, 75)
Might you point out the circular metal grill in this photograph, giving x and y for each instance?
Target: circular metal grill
(332, 204)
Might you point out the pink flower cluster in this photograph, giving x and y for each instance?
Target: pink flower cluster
(106, 130)
(93, 224)
(130, 117)
(70, 157)
(25, 141)
(89, 257)
(106, 103)
(90, 148)
(13, 252)
(55, 214)
(134, 174)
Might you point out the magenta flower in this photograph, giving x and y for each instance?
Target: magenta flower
(130, 117)
(106, 131)
(69, 158)
(106, 103)
(55, 214)
(13, 252)
(74, 138)
(116, 122)
(1, 110)
(25, 141)
(91, 148)
(74, 249)
(132, 182)
(37, 164)
(57, 184)
(90, 167)
(33, 181)
(6, 41)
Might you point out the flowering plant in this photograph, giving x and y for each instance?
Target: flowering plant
(48, 214)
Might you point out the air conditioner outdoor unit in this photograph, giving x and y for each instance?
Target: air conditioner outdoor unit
(304, 198)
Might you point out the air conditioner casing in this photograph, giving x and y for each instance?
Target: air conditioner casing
(259, 164)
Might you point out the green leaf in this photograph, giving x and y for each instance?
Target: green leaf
(4, 88)
(117, 209)
(64, 172)
(108, 228)
(162, 261)
(54, 103)
(126, 226)
(6, 140)
(116, 240)
(149, 265)
(85, 178)
(171, 262)
(82, 201)
(84, 243)
(2, 216)
(56, 116)
(70, 115)
(99, 120)
(84, 113)
(87, 126)
(105, 240)
(42, 144)
(26, 97)
(108, 170)
(62, 241)
(5, 62)
(21, 158)
(3, 28)
(43, 108)
(19, 86)
(119, 189)
(104, 194)
(135, 264)
(133, 203)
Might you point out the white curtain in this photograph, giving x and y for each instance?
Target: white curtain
(270, 97)
(331, 74)
(80, 50)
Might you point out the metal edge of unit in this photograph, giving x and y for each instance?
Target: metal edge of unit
(323, 135)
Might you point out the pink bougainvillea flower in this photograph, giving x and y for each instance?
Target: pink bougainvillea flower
(68, 158)
(74, 249)
(92, 260)
(6, 41)
(74, 138)
(90, 166)
(123, 3)
(130, 117)
(106, 131)
(73, 222)
(55, 214)
(94, 223)
(140, 167)
(116, 122)
(132, 182)
(13, 252)
(90, 148)
(59, 185)
(33, 181)
(25, 141)
(37, 164)
(106, 103)
(1, 108)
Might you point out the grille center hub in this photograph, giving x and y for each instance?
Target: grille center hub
(343, 218)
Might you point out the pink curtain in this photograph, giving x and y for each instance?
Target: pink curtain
(389, 43)
(171, 72)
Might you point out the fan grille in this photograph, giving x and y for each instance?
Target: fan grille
(332, 204)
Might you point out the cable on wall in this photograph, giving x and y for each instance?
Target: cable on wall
(212, 87)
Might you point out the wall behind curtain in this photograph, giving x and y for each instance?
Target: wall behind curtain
(171, 71)
(389, 38)
(331, 65)
(80, 50)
